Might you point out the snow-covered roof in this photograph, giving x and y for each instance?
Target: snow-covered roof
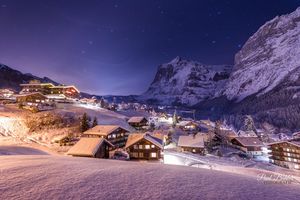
(296, 143)
(246, 133)
(249, 141)
(185, 123)
(87, 147)
(191, 141)
(135, 137)
(136, 119)
(103, 130)
(66, 86)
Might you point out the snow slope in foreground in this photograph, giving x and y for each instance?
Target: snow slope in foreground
(59, 177)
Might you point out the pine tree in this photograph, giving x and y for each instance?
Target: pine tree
(249, 124)
(95, 122)
(84, 125)
(175, 118)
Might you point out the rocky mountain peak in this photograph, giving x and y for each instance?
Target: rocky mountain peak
(267, 58)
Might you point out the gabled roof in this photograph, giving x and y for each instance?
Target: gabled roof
(87, 147)
(191, 141)
(103, 130)
(246, 133)
(249, 141)
(136, 119)
(135, 137)
(66, 86)
(296, 143)
(185, 123)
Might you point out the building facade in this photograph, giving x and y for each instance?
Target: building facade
(50, 89)
(112, 133)
(144, 146)
(285, 154)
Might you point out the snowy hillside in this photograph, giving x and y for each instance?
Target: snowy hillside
(269, 57)
(186, 82)
(60, 177)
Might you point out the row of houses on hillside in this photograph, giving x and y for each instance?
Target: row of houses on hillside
(98, 141)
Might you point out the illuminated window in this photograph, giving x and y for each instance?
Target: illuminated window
(147, 146)
(141, 155)
(295, 160)
(296, 166)
(289, 159)
(140, 146)
(288, 149)
(152, 146)
(114, 135)
(135, 146)
(153, 155)
(109, 136)
(134, 155)
(194, 150)
(288, 154)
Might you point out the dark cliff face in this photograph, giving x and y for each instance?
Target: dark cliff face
(10, 78)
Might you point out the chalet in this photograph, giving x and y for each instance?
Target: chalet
(250, 145)
(31, 98)
(188, 126)
(36, 86)
(285, 154)
(144, 146)
(138, 122)
(161, 134)
(91, 147)
(112, 133)
(226, 135)
(192, 143)
(69, 91)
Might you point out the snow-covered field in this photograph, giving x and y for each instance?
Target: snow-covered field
(61, 177)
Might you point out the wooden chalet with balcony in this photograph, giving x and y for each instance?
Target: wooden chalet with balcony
(285, 154)
(112, 133)
(192, 143)
(250, 145)
(138, 122)
(91, 147)
(144, 146)
(31, 98)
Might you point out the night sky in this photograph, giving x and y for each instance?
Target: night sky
(115, 47)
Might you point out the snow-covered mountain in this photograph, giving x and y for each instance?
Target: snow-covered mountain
(187, 82)
(269, 58)
(10, 78)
